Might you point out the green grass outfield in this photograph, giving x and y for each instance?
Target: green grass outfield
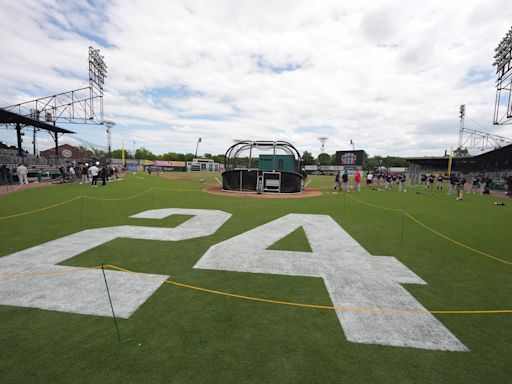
(187, 336)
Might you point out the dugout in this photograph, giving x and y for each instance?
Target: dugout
(262, 167)
(495, 164)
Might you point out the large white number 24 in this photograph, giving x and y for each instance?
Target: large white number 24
(354, 278)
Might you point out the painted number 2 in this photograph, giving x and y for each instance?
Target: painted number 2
(32, 278)
(353, 277)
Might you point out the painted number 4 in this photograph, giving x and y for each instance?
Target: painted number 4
(354, 278)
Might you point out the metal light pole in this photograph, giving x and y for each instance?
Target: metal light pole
(109, 124)
(197, 146)
(462, 115)
(322, 140)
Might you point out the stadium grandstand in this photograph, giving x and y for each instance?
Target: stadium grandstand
(495, 165)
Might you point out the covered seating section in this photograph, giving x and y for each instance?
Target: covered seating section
(20, 121)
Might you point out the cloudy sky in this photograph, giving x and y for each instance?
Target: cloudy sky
(389, 75)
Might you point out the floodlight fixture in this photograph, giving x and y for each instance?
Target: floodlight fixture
(79, 106)
(197, 146)
(97, 69)
(502, 62)
(322, 140)
(462, 115)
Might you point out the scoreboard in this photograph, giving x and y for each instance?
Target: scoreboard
(350, 158)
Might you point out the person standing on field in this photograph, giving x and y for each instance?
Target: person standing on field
(369, 179)
(474, 184)
(84, 172)
(402, 182)
(344, 179)
(94, 171)
(453, 181)
(483, 184)
(337, 183)
(72, 173)
(357, 179)
(440, 180)
(460, 187)
(22, 172)
(431, 179)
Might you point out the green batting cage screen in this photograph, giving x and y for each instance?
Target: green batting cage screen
(276, 163)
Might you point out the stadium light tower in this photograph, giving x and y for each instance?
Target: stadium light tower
(472, 138)
(322, 140)
(502, 62)
(109, 124)
(197, 146)
(462, 115)
(79, 106)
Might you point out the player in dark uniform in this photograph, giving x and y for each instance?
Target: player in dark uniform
(344, 179)
(431, 179)
(453, 181)
(474, 184)
(389, 181)
(440, 180)
(401, 179)
(460, 187)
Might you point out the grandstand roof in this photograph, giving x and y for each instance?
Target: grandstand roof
(7, 117)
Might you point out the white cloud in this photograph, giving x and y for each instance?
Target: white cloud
(389, 76)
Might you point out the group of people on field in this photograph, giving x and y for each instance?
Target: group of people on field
(6, 174)
(388, 180)
(431, 182)
(93, 173)
(341, 181)
(479, 184)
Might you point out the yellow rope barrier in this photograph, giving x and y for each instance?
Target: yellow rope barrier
(40, 209)
(117, 198)
(97, 199)
(260, 299)
(434, 231)
(252, 298)
(373, 205)
(318, 306)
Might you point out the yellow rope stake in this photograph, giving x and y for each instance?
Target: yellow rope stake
(434, 231)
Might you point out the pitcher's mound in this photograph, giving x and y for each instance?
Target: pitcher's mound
(306, 193)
